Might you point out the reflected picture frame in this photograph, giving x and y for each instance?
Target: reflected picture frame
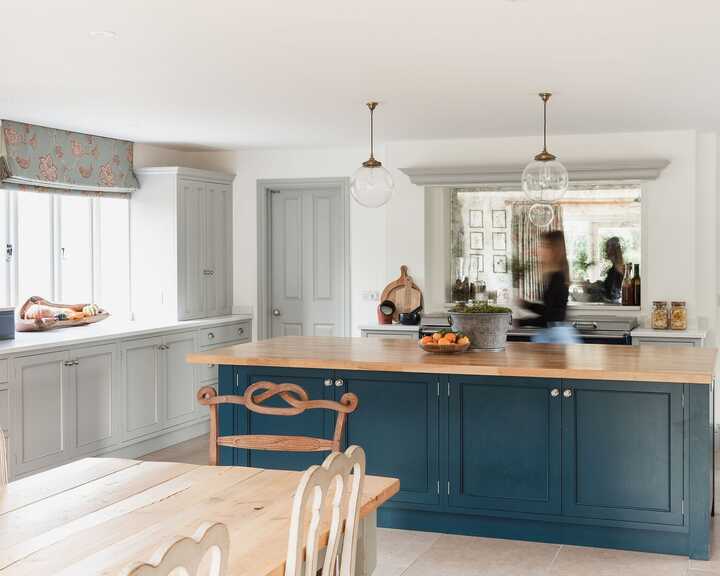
(477, 240)
(499, 219)
(499, 241)
(500, 264)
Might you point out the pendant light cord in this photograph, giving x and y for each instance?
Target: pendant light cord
(544, 124)
(372, 132)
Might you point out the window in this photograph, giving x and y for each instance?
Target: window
(70, 249)
(494, 245)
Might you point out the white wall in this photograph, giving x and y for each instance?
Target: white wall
(681, 257)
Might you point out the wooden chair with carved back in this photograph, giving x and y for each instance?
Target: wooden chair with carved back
(187, 556)
(3, 461)
(297, 401)
(336, 485)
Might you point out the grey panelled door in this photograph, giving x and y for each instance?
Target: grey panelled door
(307, 269)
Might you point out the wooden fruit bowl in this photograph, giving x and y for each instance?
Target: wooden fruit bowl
(445, 348)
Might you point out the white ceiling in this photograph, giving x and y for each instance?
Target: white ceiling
(297, 73)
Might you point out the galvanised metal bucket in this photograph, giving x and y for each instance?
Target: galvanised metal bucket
(486, 330)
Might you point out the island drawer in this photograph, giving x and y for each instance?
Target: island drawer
(239, 332)
(4, 371)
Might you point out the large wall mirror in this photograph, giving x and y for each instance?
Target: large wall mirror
(492, 243)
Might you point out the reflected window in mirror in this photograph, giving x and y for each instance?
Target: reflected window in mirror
(494, 243)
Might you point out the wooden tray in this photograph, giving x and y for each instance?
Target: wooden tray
(43, 324)
(404, 293)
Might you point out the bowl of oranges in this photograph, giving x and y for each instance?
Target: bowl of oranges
(445, 342)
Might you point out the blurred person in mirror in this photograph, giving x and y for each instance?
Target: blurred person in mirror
(610, 288)
(552, 311)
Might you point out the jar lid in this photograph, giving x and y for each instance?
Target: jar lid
(679, 303)
(659, 303)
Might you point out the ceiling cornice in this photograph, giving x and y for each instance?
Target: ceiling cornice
(509, 174)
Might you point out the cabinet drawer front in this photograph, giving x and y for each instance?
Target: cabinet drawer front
(623, 451)
(4, 371)
(224, 334)
(5, 410)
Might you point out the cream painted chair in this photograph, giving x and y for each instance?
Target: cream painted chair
(340, 477)
(185, 555)
(3, 461)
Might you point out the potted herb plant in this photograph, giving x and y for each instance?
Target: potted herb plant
(485, 325)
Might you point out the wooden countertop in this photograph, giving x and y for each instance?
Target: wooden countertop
(579, 361)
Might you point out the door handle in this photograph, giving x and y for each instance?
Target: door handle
(555, 392)
(567, 393)
(328, 382)
(339, 382)
(276, 312)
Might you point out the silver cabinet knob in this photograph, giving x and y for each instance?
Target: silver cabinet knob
(67, 363)
(211, 335)
(328, 382)
(567, 393)
(211, 365)
(555, 392)
(339, 382)
(276, 312)
(241, 331)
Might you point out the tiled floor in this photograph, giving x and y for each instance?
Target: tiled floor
(406, 553)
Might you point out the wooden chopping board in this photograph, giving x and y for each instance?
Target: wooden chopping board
(404, 293)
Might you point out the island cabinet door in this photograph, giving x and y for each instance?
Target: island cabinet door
(505, 444)
(314, 422)
(623, 451)
(396, 423)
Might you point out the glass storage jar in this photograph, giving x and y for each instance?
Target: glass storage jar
(678, 316)
(659, 315)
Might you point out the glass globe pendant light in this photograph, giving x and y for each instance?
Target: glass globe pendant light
(545, 179)
(371, 185)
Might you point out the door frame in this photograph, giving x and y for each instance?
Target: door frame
(264, 285)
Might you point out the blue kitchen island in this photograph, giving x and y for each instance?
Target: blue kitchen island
(594, 445)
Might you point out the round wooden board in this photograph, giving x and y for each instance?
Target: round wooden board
(404, 293)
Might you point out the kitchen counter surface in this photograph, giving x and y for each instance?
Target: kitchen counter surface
(110, 329)
(391, 327)
(671, 334)
(600, 362)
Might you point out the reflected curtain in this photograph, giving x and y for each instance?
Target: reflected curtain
(527, 275)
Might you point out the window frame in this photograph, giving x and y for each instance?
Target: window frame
(9, 267)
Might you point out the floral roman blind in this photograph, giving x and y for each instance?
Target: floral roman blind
(43, 159)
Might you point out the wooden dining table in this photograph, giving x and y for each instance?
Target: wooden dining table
(97, 515)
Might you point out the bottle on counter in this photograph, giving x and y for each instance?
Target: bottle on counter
(628, 293)
(636, 285)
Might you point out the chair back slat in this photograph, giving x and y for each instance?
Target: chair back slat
(339, 479)
(277, 443)
(296, 400)
(186, 555)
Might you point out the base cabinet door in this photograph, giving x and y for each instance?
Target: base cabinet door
(180, 378)
(142, 382)
(44, 407)
(316, 422)
(505, 444)
(396, 423)
(96, 397)
(623, 451)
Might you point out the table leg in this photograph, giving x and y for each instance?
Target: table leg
(366, 559)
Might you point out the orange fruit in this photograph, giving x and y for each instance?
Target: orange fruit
(463, 341)
(451, 336)
(444, 342)
(427, 340)
(436, 336)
